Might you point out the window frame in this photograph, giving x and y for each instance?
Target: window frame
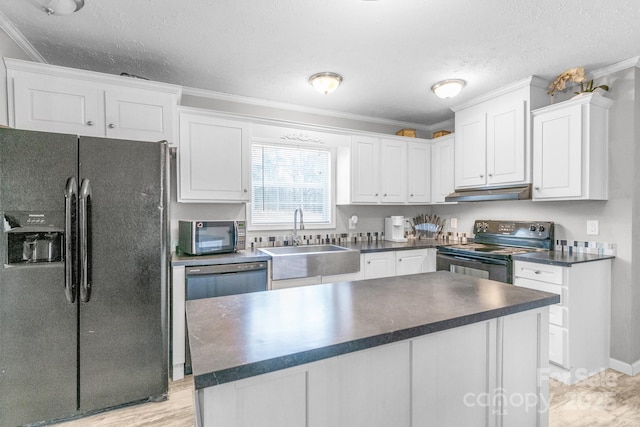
(333, 152)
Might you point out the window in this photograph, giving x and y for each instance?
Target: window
(284, 178)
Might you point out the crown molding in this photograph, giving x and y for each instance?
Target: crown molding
(204, 93)
(17, 37)
(529, 81)
(92, 76)
(618, 66)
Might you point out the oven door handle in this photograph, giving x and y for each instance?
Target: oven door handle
(474, 260)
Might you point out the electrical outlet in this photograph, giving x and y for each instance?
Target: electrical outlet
(593, 227)
(454, 223)
(353, 220)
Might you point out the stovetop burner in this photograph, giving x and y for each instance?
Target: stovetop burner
(502, 239)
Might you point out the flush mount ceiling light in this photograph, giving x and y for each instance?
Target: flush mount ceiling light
(325, 82)
(448, 88)
(62, 7)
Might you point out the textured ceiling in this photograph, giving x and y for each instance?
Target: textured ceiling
(389, 52)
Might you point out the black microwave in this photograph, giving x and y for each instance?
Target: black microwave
(211, 237)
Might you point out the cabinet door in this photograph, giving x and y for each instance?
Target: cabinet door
(450, 388)
(379, 264)
(419, 172)
(415, 261)
(214, 159)
(557, 153)
(470, 152)
(506, 144)
(443, 169)
(393, 171)
(365, 158)
(56, 104)
(139, 114)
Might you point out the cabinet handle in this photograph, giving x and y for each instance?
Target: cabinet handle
(490, 175)
(481, 176)
(111, 126)
(536, 188)
(368, 262)
(537, 271)
(400, 260)
(385, 194)
(245, 190)
(411, 195)
(376, 194)
(89, 123)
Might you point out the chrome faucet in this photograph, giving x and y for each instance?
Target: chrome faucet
(296, 238)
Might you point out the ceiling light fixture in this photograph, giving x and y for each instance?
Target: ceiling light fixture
(448, 88)
(62, 7)
(325, 82)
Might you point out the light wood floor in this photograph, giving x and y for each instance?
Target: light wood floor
(610, 399)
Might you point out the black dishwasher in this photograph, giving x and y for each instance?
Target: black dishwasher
(209, 281)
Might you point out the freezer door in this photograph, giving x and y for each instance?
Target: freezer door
(38, 357)
(123, 329)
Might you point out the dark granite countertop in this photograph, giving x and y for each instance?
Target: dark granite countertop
(250, 255)
(240, 336)
(564, 259)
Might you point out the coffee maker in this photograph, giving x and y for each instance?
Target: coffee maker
(394, 229)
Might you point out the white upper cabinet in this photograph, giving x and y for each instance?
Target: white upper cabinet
(57, 99)
(214, 160)
(378, 170)
(419, 172)
(393, 171)
(570, 150)
(442, 168)
(492, 142)
(365, 172)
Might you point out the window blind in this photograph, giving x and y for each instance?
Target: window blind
(284, 178)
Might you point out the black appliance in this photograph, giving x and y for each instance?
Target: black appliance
(83, 275)
(489, 256)
(211, 237)
(209, 281)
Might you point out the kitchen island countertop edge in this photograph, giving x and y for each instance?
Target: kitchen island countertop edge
(241, 336)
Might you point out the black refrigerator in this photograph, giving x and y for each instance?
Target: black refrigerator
(83, 275)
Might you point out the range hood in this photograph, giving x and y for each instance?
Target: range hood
(486, 194)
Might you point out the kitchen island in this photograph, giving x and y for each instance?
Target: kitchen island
(426, 349)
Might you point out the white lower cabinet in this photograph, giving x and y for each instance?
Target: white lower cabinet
(294, 283)
(579, 326)
(379, 264)
(484, 374)
(347, 277)
(415, 261)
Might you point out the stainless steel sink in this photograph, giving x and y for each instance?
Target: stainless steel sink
(290, 262)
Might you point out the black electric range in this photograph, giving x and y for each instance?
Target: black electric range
(490, 254)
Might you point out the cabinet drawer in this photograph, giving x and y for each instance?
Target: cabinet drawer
(558, 315)
(558, 339)
(544, 287)
(542, 272)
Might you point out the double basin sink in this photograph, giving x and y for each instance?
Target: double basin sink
(291, 262)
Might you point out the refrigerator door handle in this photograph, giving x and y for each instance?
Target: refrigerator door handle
(70, 200)
(85, 240)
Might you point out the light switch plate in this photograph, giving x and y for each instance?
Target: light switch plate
(593, 227)
(454, 223)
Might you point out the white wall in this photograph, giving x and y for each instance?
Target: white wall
(9, 49)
